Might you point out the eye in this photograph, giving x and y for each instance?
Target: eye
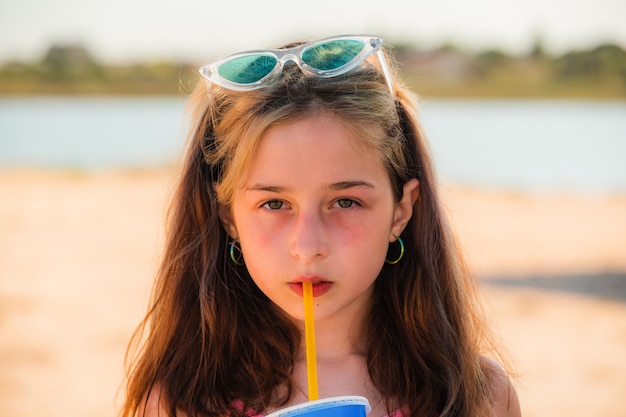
(346, 203)
(274, 204)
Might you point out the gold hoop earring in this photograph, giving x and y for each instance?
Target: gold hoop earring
(237, 260)
(395, 261)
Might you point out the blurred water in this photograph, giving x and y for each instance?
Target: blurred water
(523, 145)
(90, 133)
(530, 145)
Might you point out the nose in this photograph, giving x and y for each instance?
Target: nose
(309, 241)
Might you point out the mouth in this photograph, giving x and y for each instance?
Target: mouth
(320, 286)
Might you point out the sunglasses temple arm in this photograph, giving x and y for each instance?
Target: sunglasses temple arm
(385, 69)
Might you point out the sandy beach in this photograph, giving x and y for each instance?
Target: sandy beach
(78, 252)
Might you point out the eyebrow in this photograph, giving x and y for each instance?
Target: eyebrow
(344, 185)
(338, 186)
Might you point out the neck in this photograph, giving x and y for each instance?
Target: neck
(341, 362)
(337, 336)
(341, 365)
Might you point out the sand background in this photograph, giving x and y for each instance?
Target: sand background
(78, 252)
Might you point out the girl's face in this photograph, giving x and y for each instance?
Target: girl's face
(315, 206)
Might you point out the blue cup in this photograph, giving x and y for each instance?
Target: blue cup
(346, 406)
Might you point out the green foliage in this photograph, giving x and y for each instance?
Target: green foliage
(605, 61)
(447, 71)
(70, 64)
(71, 70)
(597, 73)
(490, 61)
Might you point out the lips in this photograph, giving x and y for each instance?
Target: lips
(320, 287)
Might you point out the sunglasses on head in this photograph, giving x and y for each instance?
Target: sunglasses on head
(325, 58)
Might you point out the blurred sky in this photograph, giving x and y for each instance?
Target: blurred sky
(120, 30)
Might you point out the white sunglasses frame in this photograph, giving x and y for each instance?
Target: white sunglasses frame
(371, 45)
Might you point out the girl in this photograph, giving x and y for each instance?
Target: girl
(308, 164)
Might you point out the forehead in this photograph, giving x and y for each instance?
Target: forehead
(315, 148)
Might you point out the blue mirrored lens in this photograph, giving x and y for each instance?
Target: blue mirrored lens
(332, 54)
(247, 69)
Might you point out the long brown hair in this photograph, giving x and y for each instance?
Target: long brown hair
(213, 344)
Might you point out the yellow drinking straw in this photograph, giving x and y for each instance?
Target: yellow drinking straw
(309, 334)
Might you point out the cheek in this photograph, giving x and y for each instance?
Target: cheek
(369, 226)
(260, 244)
(366, 244)
(267, 228)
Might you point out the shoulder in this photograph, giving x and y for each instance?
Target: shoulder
(505, 400)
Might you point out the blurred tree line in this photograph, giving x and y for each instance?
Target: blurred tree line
(598, 72)
(447, 71)
(70, 69)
